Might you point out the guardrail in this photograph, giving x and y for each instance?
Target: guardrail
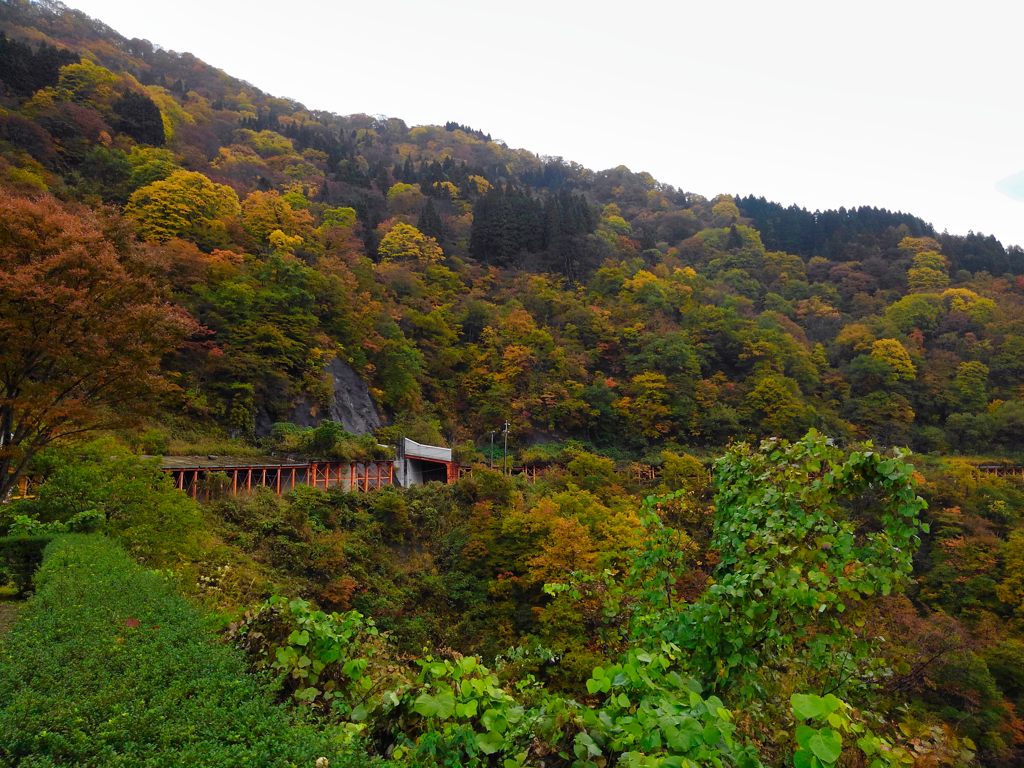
(199, 480)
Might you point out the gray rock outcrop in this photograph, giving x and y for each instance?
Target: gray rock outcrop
(351, 406)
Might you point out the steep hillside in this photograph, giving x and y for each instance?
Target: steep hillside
(468, 282)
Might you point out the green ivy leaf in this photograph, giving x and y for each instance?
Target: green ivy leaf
(490, 742)
(441, 706)
(807, 706)
(583, 739)
(803, 736)
(494, 721)
(306, 694)
(826, 745)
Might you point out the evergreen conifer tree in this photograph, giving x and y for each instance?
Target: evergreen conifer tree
(552, 222)
(409, 175)
(140, 118)
(429, 222)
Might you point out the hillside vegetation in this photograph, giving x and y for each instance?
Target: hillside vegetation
(183, 255)
(468, 282)
(108, 667)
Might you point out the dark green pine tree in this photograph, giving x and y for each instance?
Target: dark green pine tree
(409, 175)
(735, 239)
(582, 217)
(430, 175)
(48, 61)
(491, 238)
(573, 220)
(25, 72)
(459, 176)
(429, 222)
(140, 118)
(16, 66)
(481, 235)
(526, 230)
(382, 179)
(552, 222)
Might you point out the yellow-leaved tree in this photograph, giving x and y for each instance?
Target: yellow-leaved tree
(266, 212)
(86, 83)
(893, 353)
(930, 269)
(969, 303)
(186, 205)
(569, 548)
(643, 407)
(406, 243)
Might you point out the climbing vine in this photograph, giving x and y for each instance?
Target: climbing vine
(804, 535)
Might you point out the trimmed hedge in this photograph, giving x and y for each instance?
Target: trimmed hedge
(20, 557)
(107, 666)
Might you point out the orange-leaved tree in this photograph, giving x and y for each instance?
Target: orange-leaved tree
(83, 326)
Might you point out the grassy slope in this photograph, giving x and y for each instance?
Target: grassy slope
(79, 685)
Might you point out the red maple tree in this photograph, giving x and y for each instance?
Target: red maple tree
(83, 324)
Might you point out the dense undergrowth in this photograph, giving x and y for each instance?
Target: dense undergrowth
(544, 585)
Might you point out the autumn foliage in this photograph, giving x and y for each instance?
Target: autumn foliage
(84, 325)
(177, 245)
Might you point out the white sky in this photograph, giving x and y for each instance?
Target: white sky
(910, 106)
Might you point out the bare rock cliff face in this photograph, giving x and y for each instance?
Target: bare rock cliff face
(351, 406)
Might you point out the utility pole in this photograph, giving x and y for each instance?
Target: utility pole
(493, 433)
(504, 452)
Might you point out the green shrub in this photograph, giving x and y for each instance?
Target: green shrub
(327, 441)
(102, 486)
(108, 667)
(20, 556)
(592, 472)
(153, 442)
(680, 471)
(323, 660)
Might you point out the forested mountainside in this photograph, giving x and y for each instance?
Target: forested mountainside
(173, 237)
(468, 282)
